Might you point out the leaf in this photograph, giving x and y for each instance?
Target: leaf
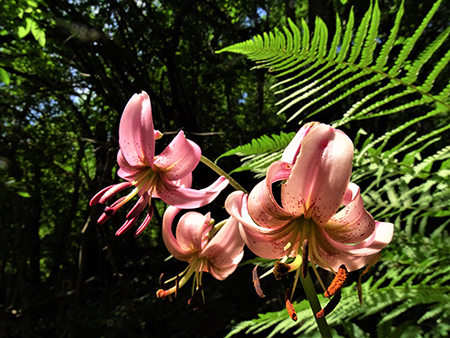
(23, 194)
(4, 77)
(38, 33)
(23, 31)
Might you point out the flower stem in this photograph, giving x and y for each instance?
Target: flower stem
(311, 294)
(219, 171)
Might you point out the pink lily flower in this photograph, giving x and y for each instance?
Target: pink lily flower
(167, 176)
(216, 250)
(315, 174)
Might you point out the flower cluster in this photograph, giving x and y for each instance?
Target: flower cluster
(318, 215)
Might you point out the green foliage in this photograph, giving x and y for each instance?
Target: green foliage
(396, 86)
(405, 187)
(22, 17)
(352, 63)
(414, 276)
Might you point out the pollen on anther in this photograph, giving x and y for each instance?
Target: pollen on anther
(280, 269)
(337, 282)
(289, 306)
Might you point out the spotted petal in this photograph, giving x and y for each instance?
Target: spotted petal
(262, 205)
(127, 171)
(320, 176)
(351, 262)
(179, 158)
(225, 250)
(353, 223)
(264, 242)
(380, 237)
(136, 131)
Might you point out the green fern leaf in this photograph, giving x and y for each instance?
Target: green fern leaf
(260, 153)
(410, 42)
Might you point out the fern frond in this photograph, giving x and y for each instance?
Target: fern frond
(263, 144)
(387, 47)
(410, 42)
(260, 153)
(362, 37)
(352, 69)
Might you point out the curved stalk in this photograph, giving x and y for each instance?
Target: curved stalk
(219, 171)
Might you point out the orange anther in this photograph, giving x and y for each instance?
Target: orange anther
(337, 282)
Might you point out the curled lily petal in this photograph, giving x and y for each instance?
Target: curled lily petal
(175, 248)
(136, 131)
(179, 158)
(259, 240)
(225, 250)
(220, 273)
(185, 182)
(291, 152)
(186, 198)
(381, 236)
(320, 176)
(263, 207)
(352, 262)
(352, 224)
(192, 229)
(127, 171)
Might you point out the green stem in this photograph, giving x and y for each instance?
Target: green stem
(219, 171)
(311, 294)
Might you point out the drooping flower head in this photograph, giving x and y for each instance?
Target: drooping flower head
(167, 176)
(216, 250)
(315, 174)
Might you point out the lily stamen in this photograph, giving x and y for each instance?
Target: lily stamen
(280, 268)
(256, 282)
(190, 271)
(195, 296)
(305, 259)
(318, 277)
(337, 282)
(330, 306)
(289, 306)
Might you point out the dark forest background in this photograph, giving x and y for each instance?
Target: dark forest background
(68, 70)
